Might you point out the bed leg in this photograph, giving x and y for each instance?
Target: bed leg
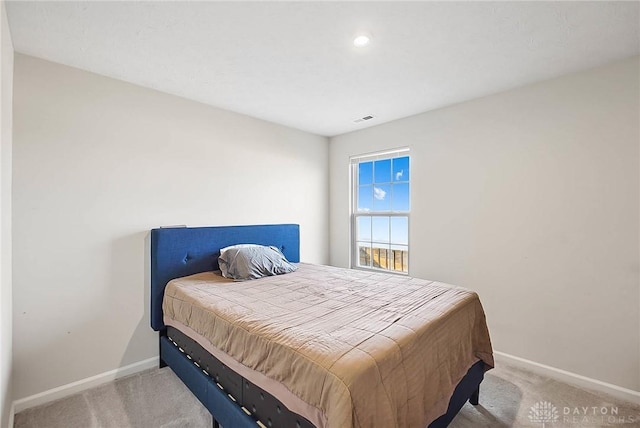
(161, 333)
(475, 397)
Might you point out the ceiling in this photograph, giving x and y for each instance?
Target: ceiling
(294, 63)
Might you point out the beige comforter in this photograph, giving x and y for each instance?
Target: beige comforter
(364, 349)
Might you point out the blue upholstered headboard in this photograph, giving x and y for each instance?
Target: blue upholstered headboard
(182, 251)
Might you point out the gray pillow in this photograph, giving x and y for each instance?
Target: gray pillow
(250, 261)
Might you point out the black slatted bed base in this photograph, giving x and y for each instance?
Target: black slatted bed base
(255, 402)
(234, 402)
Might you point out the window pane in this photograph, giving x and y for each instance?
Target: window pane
(365, 173)
(380, 229)
(364, 229)
(382, 197)
(400, 230)
(401, 169)
(380, 221)
(400, 197)
(365, 198)
(364, 254)
(400, 258)
(380, 257)
(375, 254)
(382, 171)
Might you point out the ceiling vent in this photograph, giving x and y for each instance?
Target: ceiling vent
(362, 119)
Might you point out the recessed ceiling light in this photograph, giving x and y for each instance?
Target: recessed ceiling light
(361, 41)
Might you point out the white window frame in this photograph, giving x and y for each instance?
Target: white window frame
(354, 214)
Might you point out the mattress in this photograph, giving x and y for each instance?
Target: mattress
(341, 347)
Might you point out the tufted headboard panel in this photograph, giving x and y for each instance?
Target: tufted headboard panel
(182, 251)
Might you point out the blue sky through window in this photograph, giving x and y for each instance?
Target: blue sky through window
(400, 197)
(365, 173)
(399, 230)
(401, 169)
(383, 186)
(382, 171)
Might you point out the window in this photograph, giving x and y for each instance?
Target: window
(380, 211)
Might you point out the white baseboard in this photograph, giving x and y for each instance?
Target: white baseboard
(541, 369)
(569, 377)
(82, 385)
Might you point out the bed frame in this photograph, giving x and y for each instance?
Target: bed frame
(233, 401)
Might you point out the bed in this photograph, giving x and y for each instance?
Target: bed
(246, 394)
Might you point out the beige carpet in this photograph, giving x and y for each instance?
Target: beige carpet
(157, 398)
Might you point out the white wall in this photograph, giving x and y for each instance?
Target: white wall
(530, 197)
(97, 163)
(6, 94)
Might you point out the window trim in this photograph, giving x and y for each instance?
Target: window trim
(354, 161)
